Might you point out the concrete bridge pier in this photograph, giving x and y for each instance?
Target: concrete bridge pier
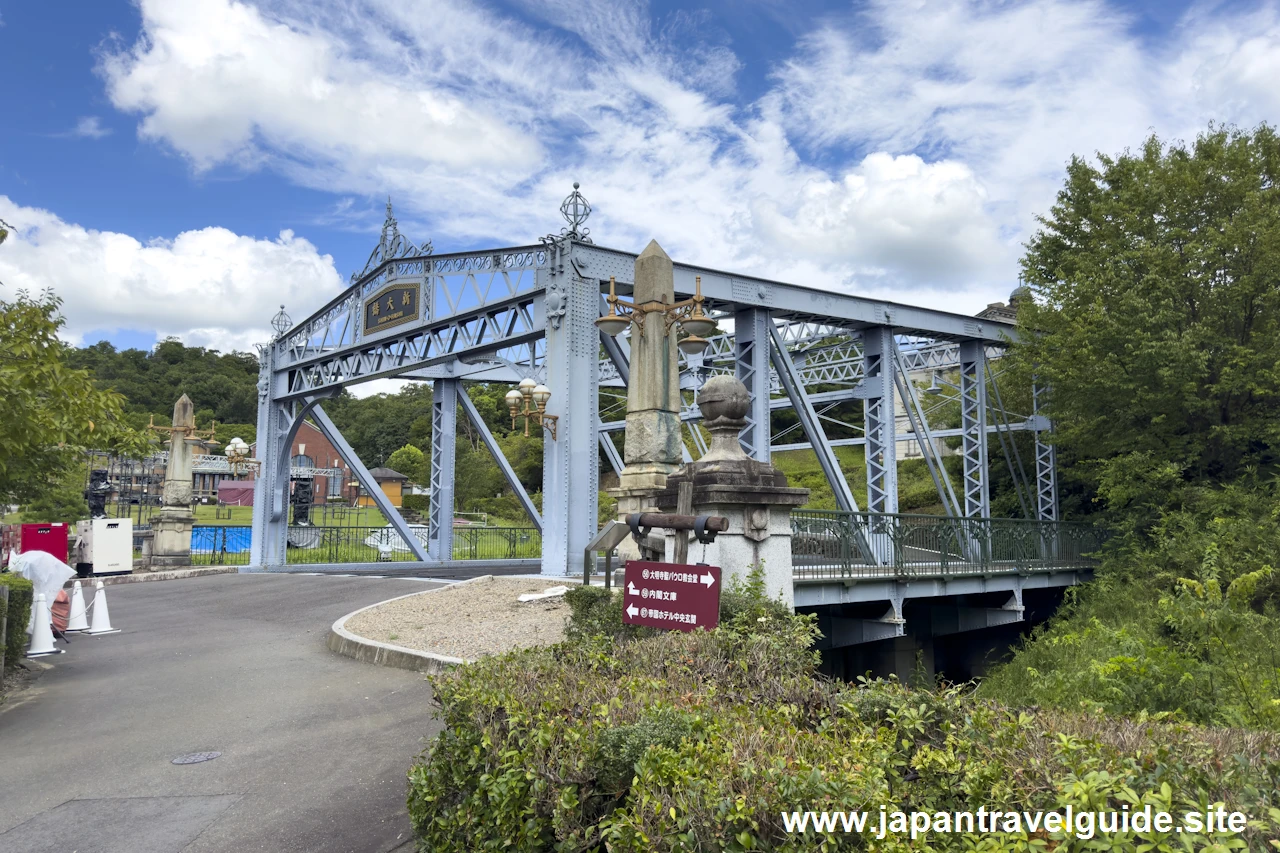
(956, 635)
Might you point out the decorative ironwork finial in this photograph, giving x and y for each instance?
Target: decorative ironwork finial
(390, 230)
(575, 209)
(391, 245)
(281, 322)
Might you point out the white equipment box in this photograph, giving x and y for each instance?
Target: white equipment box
(112, 546)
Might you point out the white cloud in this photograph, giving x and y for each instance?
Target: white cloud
(1013, 90)
(902, 152)
(209, 287)
(221, 81)
(88, 127)
(894, 214)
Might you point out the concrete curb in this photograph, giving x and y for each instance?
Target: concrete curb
(378, 653)
(172, 575)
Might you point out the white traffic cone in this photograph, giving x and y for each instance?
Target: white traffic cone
(101, 616)
(42, 632)
(79, 619)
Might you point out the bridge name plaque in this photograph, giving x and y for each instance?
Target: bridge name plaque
(392, 306)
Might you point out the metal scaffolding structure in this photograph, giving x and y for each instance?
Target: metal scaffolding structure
(508, 314)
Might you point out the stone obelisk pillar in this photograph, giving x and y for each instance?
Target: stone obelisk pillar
(651, 448)
(172, 546)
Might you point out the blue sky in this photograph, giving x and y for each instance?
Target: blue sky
(180, 167)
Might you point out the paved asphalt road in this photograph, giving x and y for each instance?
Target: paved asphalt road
(314, 746)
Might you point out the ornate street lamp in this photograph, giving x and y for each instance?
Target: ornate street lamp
(533, 397)
(687, 314)
(238, 459)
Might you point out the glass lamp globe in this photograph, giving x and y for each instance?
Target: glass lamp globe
(541, 395)
(526, 386)
(612, 324)
(699, 326)
(692, 345)
(514, 398)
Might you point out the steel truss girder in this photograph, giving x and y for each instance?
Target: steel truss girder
(693, 413)
(879, 419)
(495, 451)
(751, 349)
(456, 279)
(793, 302)
(925, 437)
(506, 323)
(973, 426)
(444, 441)
(857, 442)
(1009, 447)
(499, 302)
(571, 463)
(270, 532)
(1046, 463)
(812, 426)
(370, 485)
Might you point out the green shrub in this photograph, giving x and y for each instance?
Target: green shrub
(622, 747)
(1182, 622)
(702, 740)
(416, 503)
(21, 595)
(597, 612)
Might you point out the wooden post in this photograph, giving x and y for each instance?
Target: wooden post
(684, 506)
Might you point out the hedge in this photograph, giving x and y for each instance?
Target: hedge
(681, 742)
(21, 595)
(417, 503)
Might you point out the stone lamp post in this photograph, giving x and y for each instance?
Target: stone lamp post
(651, 448)
(753, 495)
(172, 545)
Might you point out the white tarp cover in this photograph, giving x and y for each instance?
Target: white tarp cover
(46, 572)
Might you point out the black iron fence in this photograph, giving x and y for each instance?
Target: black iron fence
(862, 544)
(229, 545)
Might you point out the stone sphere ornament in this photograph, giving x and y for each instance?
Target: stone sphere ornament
(723, 397)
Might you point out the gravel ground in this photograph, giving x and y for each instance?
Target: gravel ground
(468, 620)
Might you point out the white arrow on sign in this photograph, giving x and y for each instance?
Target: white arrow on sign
(708, 579)
(631, 588)
(632, 611)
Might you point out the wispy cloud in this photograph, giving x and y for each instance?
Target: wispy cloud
(88, 127)
(907, 147)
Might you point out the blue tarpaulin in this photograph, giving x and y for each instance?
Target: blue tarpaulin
(233, 540)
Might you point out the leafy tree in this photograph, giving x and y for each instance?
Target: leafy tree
(48, 410)
(379, 425)
(1156, 280)
(222, 386)
(411, 462)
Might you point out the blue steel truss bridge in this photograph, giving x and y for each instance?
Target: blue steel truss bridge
(527, 312)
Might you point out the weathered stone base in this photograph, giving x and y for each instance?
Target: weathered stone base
(652, 437)
(177, 561)
(171, 543)
(736, 554)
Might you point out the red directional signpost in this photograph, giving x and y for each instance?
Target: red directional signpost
(671, 595)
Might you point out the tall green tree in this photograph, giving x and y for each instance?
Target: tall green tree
(48, 410)
(221, 385)
(1156, 279)
(410, 461)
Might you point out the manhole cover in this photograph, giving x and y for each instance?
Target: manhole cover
(196, 757)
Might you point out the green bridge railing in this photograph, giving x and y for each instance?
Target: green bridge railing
(828, 544)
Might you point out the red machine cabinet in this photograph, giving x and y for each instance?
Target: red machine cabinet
(50, 538)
